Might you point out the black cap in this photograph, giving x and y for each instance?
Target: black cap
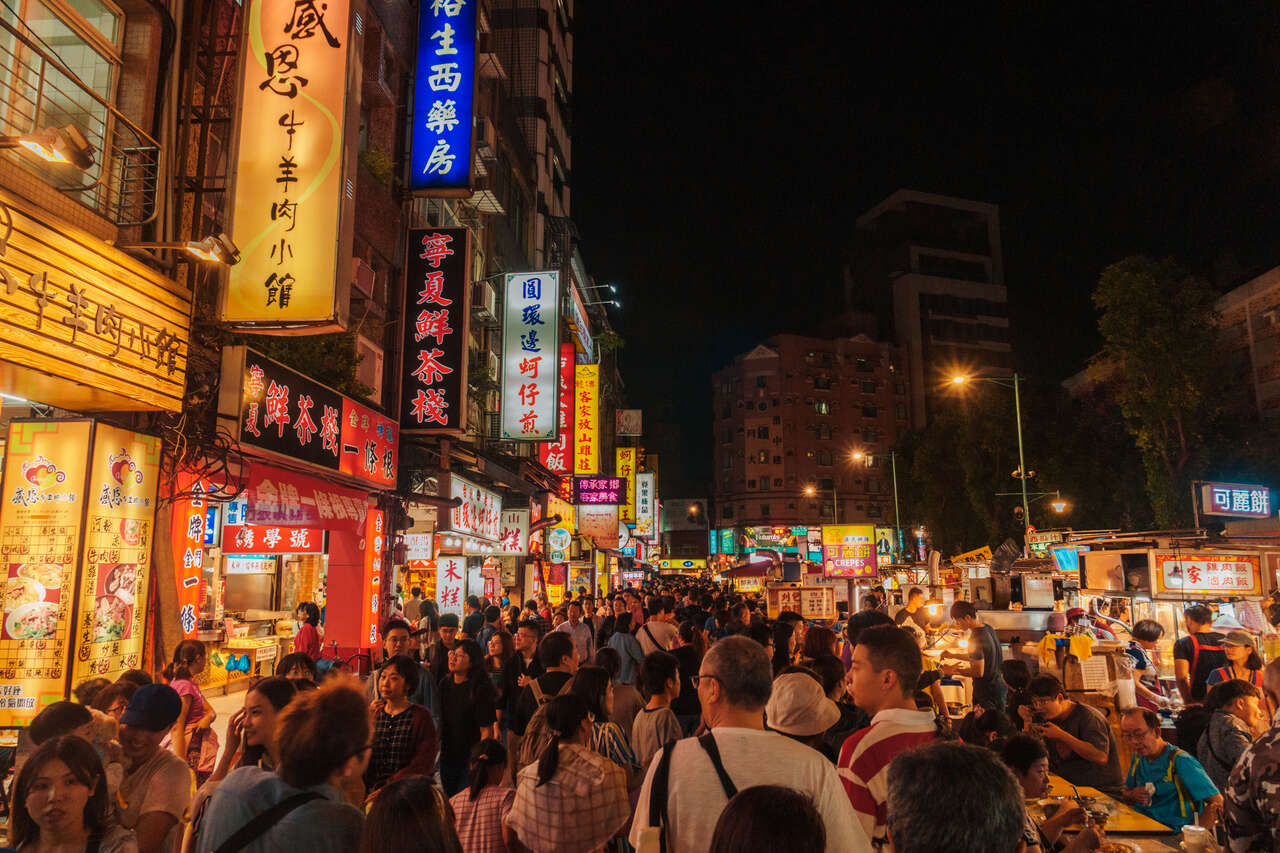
(154, 707)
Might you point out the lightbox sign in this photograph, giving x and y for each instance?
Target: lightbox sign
(784, 540)
(433, 375)
(626, 469)
(479, 514)
(599, 490)
(645, 487)
(530, 355)
(299, 92)
(557, 456)
(1235, 500)
(727, 540)
(1201, 573)
(514, 540)
(586, 419)
(848, 551)
(444, 89)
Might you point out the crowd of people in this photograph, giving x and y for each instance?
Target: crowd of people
(675, 718)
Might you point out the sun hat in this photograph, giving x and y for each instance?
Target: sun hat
(797, 706)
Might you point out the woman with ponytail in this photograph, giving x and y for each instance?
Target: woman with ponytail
(193, 737)
(573, 800)
(480, 810)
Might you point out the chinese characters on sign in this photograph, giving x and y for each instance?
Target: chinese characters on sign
(443, 92)
(557, 456)
(262, 539)
(645, 484)
(480, 512)
(848, 551)
(279, 498)
(599, 490)
(1235, 500)
(531, 335)
(291, 160)
(434, 366)
(1215, 574)
(626, 468)
(188, 529)
(586, 419)
(375, 541)
(514, 541)
(600, 522)
(450, 576)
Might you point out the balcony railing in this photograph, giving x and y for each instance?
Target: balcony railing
(37, 94)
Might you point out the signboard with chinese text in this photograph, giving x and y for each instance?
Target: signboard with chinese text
(1235, 500)
(1201, 574)
(42, 507)
(779, 599)
(560, 536)
(444, 89)
(375, 542)
(280, 498)
(189, 534)
(586, 419)
(628, 422)
(418, 546)
(581, 325)
(480, 512)
(513, 540)
(626, 470)
(83, 326)
(682, 564)
(433, 374)
(848, 551)
(645, 487)
(451, 573)
(293, 167)
(259, 539)
(728, 540)
(557, 456)
(530, 356)
(813, 539)
(600, 523)
(599, 490)
(116, 568)
(784, 540)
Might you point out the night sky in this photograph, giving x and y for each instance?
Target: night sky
(719, 163)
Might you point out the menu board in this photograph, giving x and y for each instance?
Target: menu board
(119, 524)
(40, 522)
(848, 551)
(1199, 573)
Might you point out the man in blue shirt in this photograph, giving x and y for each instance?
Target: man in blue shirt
(1165, 783)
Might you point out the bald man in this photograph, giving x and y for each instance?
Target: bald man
(1252, 808)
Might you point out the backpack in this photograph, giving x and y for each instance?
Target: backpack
(536, 735)
(1191, 724)
(1186, 803)
(1212, 662)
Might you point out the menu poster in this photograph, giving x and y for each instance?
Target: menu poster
(119, 524)
(42, 502)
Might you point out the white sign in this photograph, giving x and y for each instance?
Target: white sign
(1223, 574)
(530, 357)
(451, 573)
(558, 541)
(417, 546)
(514, 539)
(645, 484)
(480, 513)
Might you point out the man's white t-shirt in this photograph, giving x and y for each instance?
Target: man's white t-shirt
(751, 757)
(663, 632)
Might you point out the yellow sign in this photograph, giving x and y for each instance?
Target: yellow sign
(117, 553)
(82, 325)
(983, 553)
(682, 564)
(627, 468)
(294, 171)
(43, 501)
(586, 419)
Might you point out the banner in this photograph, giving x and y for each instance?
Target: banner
(530, 353)
(280, 498)
(557, 456)
(433, 375)
(848, 551)
(626, 470)
(884, 546)
(514, 537)
(480, 512)
(188, 529)
(599, 490)
(444, 88)
(260, 539)
(599, 522)
(586, 452)
(375, 542)
(451, 572)
(1206, 574)
(645, 487)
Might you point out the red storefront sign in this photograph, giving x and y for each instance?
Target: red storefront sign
(374, 546)
(557, 456)
(186, 529)
(280, 498)
(265, 539)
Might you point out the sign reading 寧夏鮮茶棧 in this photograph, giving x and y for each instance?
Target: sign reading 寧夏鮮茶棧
(531, 344)
(586, 419)
(1204, 574)
(557, 456)
(294, 159)
(848, 551)
(443, 95)
(1235, 500)
(433, 374)
(85, 327)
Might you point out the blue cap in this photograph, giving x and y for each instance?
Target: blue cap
(154, 707)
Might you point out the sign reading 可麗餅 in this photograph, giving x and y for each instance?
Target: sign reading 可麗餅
(557, 456)
(479, 514)
(1235, 500)
(444, 89)
(586, 419)
(530, 353)
(433, 372)
(299, 96)
(848, 551)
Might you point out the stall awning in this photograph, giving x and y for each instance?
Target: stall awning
(748, 570)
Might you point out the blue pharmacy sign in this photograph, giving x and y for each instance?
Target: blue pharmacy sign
(443, 95)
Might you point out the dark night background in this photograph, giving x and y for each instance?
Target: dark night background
(720, 160)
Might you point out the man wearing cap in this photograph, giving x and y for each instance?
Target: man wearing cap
(885, 668)
(438, 654)
(153, 798)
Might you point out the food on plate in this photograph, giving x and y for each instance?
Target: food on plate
(1116, 847)
(122, 581)
(35, 621)
(110, 615)
(49, 575)
(131, 531)
(20, 591)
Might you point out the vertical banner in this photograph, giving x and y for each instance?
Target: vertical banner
(586, 418)
(626, 469)
(645, 505)
(292, 166)
(119, 528)
(375, 541)
(187, 532)
(451, 573)
(444, 89)
(557, 456)
(433, 376)
(530, 350)
(884, 546)
(44, 497)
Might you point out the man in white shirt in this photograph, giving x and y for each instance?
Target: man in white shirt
(734, 684)
(658, 634)
(579, 632)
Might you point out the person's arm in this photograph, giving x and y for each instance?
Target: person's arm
(423, 762)
(179, 732)
(1051, 828)
(1142, 690)
(235, 730)
(1182, 671)
(1200, 788)
(1085, 749)
(152, 829)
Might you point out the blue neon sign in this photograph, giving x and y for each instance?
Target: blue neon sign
(443, 95)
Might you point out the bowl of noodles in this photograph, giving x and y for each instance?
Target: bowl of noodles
(48, 575)
(37, 620)
(110, 619)
(122, 581)
(20, 591)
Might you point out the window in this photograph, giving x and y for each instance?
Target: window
(902, 412)
(726, 511)
(762, 381)
(863, 366)
(764, 484)
(777, 460)
(764, 512)
(726, 437)
(751, 484)
(762, 432)
(873, 485)
(728, 462)
(826, 484)
(776, 420)
(726, 411)
(899, 387)
(749, 404)
(822, 407)
(822, 382)
(777, 482)
(868, 387)
(870, 411)
(873, 511)
(763, 457)
(810, 357)
(824, 457)
(823, 432)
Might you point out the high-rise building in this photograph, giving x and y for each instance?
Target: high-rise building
(790, 415)
(930, 268)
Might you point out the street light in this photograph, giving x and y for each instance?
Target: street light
(960, 379)
(897, 517)
(810, 491)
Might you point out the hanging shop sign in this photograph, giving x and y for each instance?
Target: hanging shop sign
(884, 546)
(848, 551)
(190, 533)
(433, 375)
(1235, 500)
(479, 514)
(629, 422)
(645, 487)
(294, 167)
(682, 564)
(513, 539)
(280, 498)
(626, 470)
(728, 540)
(557, 456)
(418, 546)
(85, 327)
(1207, 574)
(599, 490)
(600, 523)
(451, 573)
(375, 543)
(285, 413)
(814, 540)
(261, 539)
(443, 95)
(531, 345)
(784, 540)
(586, 416)
(581, 325)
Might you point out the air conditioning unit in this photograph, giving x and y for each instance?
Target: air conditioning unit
(486, 139)
(495, 367)
(363, 278)
(484, 301)
(369, 369)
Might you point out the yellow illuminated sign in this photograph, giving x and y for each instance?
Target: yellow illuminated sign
(586, 419)
(627, 468)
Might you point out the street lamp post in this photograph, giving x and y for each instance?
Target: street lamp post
(1017, 411)
(897, 516)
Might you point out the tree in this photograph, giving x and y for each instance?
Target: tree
(1160, 329)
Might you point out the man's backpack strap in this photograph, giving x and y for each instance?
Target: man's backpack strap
(658, 792)
(708, 744)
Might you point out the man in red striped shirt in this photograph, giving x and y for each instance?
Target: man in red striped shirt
(882, 678)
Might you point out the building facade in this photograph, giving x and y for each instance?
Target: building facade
(790, 415)
(1250, 317)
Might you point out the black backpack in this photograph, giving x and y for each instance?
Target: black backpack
(1191, 724)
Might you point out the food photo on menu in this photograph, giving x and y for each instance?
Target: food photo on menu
(31, 599)
(113, 601)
